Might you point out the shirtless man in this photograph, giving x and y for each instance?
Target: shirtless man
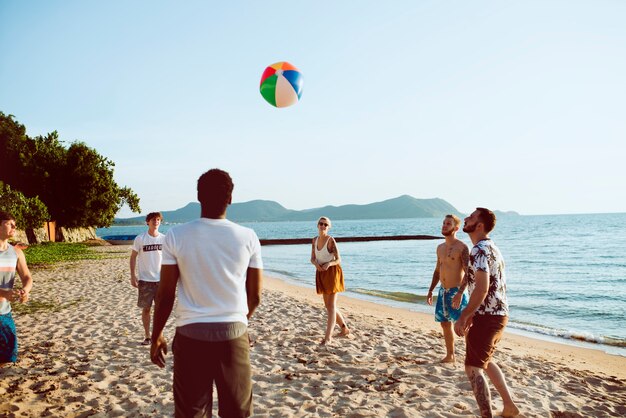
(452, 263)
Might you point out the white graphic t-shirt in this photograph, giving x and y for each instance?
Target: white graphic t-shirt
(149, 251)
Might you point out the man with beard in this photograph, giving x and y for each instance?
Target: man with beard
(452, 262)
(482, 322)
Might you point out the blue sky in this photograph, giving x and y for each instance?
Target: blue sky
(509, 105)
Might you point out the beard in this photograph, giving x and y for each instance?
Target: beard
(447, 233)
(469, 228)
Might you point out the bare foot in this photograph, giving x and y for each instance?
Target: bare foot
(510, 411)
(345, 331)
(448, 359)
(326, 341)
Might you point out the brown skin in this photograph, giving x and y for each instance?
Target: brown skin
(164, 302)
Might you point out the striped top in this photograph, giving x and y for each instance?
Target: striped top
(8, 264)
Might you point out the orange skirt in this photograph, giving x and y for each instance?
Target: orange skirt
(329, 281)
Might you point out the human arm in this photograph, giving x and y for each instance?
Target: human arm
(434, 281)
(465, 258)
(332, 248)
(254, 284)
(164, 302)
(314, 258)
(133, 264)
(479, 293)
(25, 277)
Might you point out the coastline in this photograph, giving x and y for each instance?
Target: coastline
(80, 356)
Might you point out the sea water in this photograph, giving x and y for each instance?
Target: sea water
(566, 274)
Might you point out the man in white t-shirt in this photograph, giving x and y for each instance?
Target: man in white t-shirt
(215, 266)
(146, 257)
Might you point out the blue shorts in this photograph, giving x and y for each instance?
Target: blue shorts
(8, 339)
(444, 312)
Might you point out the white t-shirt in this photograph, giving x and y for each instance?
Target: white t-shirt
(213, 256)
(149, 250)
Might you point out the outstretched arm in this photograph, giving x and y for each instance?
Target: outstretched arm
(164, 302)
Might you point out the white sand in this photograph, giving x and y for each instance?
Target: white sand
(85, 359)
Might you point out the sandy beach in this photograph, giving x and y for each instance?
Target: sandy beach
(80, 357)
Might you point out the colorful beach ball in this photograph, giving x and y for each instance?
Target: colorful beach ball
(281, 84)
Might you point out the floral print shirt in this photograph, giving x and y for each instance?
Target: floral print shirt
(485, 256)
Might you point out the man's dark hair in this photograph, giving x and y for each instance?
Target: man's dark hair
(6, 216)
(487, 218)
(215, 190)
(153, 215)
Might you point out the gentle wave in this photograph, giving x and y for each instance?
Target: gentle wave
(398, 296)
(281, 273)
(569, 335)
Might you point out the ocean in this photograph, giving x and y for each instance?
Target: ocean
(566, 274)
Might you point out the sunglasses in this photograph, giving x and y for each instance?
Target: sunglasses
(322, 224)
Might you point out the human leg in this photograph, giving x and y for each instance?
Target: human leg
(233, 378)
(341, 321)
(8, 339)
(480, 389)
(481, 341)
(448, 335)
(193, 377)
(497, 378)
(145, 298)
(330, 301)
(145, 319)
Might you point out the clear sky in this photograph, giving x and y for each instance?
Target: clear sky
(512, 105)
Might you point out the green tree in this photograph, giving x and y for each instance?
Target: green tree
(75, 183)
(29, 212)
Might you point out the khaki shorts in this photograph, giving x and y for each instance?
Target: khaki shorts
(482, 337)
(198, 364)
(147, 293)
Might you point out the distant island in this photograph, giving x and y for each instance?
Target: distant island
(269, 211)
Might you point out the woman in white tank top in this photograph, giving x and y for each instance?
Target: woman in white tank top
(328, 277)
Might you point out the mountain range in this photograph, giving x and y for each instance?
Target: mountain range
(267, 210)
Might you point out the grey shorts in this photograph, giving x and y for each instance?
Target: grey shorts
(147, 293)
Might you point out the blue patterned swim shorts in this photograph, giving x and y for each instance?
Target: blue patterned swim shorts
(8, 339)
(444, 312)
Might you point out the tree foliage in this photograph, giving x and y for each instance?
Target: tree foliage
(29, 212)
(76, 183)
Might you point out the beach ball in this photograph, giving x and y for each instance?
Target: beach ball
(281, 84)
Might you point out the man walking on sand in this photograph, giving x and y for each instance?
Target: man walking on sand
(487, 313)
(216, 267)
(452, 262)
(12, 261)
(146, 255)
